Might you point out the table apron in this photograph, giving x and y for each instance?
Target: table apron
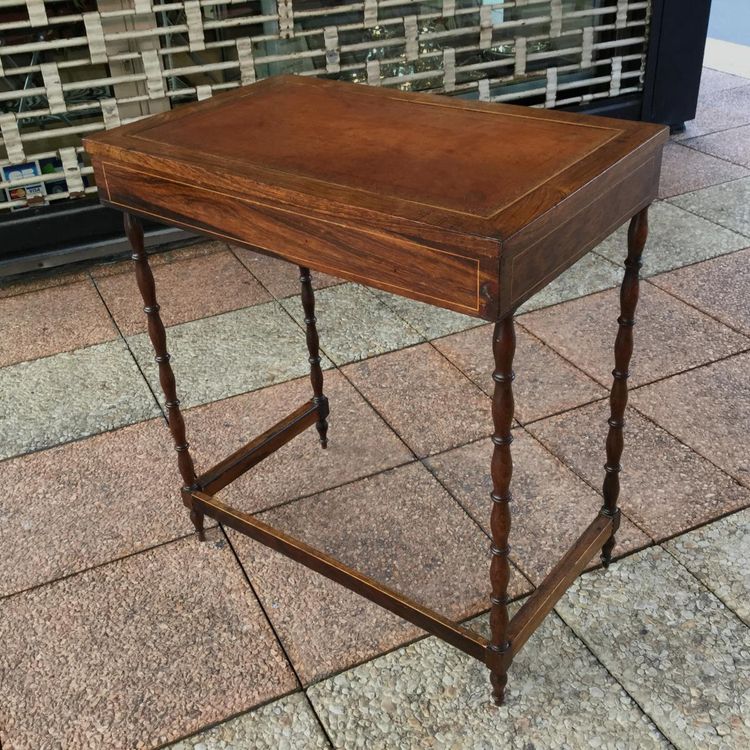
(390, 261)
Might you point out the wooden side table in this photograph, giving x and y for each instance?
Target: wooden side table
(469, 206)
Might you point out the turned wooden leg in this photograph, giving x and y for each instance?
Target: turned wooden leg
(618, 398)
(504, 347)
(158, 336)
(313, 347)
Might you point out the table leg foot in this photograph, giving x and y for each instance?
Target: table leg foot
(609, 545)
(504, 347)
(197, 518)
(499, 681)
(313, 347)
(322, 427)
(618, 397)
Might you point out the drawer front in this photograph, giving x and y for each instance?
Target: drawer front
(378, 259)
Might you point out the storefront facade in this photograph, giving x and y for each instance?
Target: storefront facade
(72, 67)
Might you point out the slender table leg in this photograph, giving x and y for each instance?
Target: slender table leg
(618, 398)
(313, 347)
(158, 336)
(504, 347)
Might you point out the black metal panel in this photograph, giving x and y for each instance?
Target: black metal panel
(48, 236)
(625, 107)
(57, 226)
(674, 61)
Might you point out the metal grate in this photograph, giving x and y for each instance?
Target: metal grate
(71, 67)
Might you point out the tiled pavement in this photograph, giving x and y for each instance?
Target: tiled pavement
(120, 630)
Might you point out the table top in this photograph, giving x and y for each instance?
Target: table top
(435, 174)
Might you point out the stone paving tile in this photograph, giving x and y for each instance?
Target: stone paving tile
(186, 290)
(732, 145)
(401, 528)
(136, 653)
(715, 80)
(430, 695)
(591, 273)
(88, 502)
(158, 258)
(665, 487)
(708, 410)
(551, 506)
(727, 204)
(545, 383)
(359, 442)
(429, 403)
(286, 724)
(717, 555)
(676, 238)
(52, 320)
(428, 320)
(70, 395)
(719, 110)
(720, 287)
(279, 277)
(227, 354)
(354, 324)
(670, 336)
(684, 169)
(671, 644)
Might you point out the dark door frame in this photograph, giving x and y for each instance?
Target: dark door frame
(674, 61)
